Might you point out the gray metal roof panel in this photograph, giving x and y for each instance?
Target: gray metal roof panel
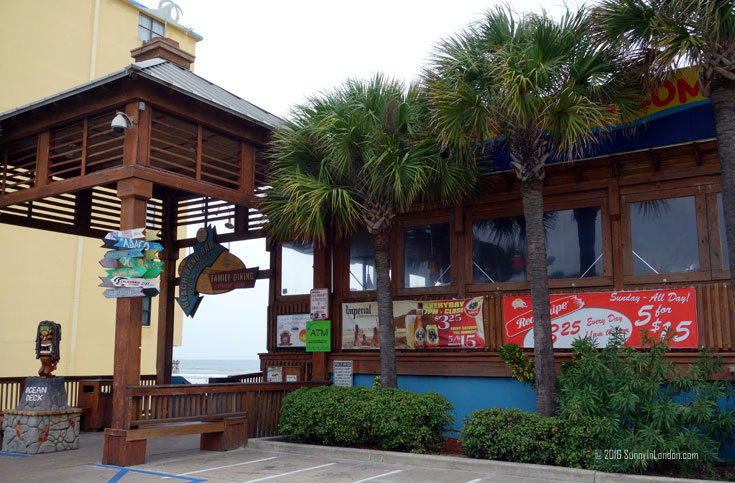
(170, 74)
(191, 84)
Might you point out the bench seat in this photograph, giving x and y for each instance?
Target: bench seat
(216, 434)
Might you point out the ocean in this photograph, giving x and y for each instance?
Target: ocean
(198, 371)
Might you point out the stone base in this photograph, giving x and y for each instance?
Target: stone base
(32, 432)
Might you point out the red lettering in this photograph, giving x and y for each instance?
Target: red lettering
(683, 88)
(670, 93)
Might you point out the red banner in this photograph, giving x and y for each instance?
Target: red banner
(596, 314)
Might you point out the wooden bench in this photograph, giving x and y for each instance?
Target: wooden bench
(217, 433)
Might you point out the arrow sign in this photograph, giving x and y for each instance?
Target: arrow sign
(127, 272)
(151, 254)
(115, 293)
(132, 253)
(131, 243)
(153, 272)
(110, 263)
(128, 282)
(134, 233)
(108, 243)
(151, 235)
(139, 262)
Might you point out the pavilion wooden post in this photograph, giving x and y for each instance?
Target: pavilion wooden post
(166, 305)
(134, 194)
(322, 279)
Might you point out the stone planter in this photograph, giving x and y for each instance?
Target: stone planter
(32, 432)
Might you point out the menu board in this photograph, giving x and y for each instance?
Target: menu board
(595, 315)
(456, 323)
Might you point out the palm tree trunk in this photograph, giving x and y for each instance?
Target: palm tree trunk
(723, 106)
(381, 247)
(543, 350)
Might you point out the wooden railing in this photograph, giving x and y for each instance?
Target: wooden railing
(12, 387)
(177, 402)
(252, 377)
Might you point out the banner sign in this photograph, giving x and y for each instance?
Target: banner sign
(596, 314)
(243, 278)
(291, 330)
(319, 302)
(443, 324)
(318, 336)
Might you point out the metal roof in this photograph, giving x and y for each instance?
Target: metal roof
(174, 76)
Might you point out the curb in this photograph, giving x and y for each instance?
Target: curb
(504, 468)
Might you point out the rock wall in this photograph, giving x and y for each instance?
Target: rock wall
(40, 433)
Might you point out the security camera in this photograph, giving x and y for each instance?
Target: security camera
(121, 122)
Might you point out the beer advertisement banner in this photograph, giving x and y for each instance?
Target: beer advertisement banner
(596, 314)
(435, 324)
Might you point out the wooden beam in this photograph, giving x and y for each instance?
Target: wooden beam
(247, 168)
(144, 136)
(130, 136)
(166, 306)
(134, 195)
(42, 158)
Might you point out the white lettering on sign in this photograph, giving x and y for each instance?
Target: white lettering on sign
(36, 390)
(34, 397)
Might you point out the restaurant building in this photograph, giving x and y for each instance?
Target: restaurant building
(634, 236)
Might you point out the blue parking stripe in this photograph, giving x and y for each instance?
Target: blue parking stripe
(14, 455)
(123, 471)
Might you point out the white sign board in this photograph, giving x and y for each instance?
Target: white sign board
(343, 373)
(291, 330)
(291, 378)
(275, 374)
(319, 304)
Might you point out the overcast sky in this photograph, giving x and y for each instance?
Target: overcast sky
(278, 53)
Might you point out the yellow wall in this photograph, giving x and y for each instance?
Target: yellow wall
(46, 47)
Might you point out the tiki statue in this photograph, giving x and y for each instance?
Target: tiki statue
(48, 340)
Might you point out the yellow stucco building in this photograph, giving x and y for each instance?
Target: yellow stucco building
(47, 46)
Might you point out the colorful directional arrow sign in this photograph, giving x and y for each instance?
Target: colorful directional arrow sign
(115, 293)
(128, 282)
(132, 243)
(131, 253)
(131, 263)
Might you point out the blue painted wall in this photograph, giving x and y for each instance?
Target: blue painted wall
(468, 394)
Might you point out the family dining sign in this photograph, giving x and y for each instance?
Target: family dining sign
(211, 269)
(597, 315)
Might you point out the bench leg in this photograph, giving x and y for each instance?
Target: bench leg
(234, 436)
(119, 452)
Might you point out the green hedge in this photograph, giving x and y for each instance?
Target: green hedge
(523, 437)
(391, 419)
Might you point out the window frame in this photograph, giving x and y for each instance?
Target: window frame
(397, 263)
(718, 269)
(145, 317)
(552, 203)
(153, 20)
(356, 295)
(700, 209)
(279, 277)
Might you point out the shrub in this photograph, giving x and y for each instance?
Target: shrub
(391, 419)
(644, 405)
(523, 437)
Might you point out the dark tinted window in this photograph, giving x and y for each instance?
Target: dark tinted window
(426, 256)
(664, 234)
(362, 263)
(499, 250)
(574, 243)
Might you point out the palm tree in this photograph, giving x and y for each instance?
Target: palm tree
(540, 86)
(348, 161)
(668, 33)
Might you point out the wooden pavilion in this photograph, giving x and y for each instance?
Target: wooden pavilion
(191, 155)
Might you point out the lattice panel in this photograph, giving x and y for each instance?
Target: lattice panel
(173, 144)
(19, 164)
(220, 160)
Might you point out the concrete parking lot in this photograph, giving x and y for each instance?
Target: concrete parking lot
(179, 459)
